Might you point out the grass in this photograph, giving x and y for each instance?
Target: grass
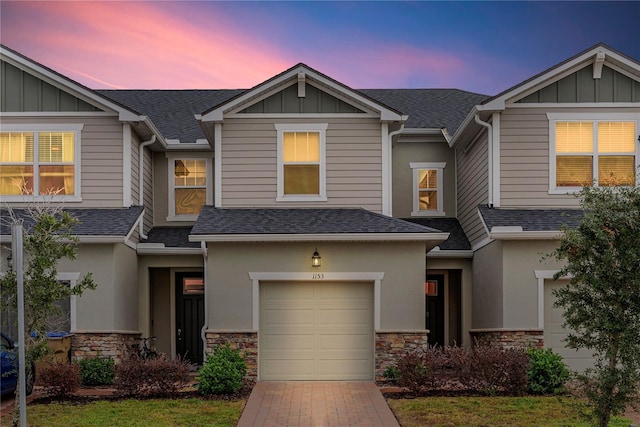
(125, 413)
(492, 411)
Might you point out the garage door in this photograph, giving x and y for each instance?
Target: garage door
(555, 334)
(316, 331)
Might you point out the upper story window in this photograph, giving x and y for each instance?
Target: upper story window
(41, 161)
(595, 151)
(428, 193)
(189, 187)
(301, 162)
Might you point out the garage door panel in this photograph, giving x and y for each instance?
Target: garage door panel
(316, 331)
(555, 335)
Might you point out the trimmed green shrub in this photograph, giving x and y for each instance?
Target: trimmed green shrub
(96, 372)
(391, 373)
(222, 372)
(547, 372)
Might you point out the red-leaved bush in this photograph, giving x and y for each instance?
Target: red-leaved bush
(60, 379)
(151, 377)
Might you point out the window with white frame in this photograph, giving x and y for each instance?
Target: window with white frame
(42, 161)
(188, 186)
(301, 162)
(592, 151)
(428, 192)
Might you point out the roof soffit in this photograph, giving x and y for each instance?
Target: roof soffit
(289, 77)
(67, 85)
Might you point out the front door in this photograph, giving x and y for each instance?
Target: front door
(189, 315)
(434, 313)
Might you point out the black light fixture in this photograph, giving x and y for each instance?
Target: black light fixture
(10, 262)
(316, 259)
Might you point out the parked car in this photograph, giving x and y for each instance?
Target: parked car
(9, 367)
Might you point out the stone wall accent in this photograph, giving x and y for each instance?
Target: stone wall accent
(391, 346)
(245, 341)
(117, 345)
(509, 339)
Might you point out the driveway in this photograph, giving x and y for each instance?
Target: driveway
(316, 403)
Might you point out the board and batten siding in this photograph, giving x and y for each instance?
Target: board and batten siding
(353, 163)
(524, 158)
(101, 161)
(472, 187)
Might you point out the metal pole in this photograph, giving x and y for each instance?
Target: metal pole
(16, 246)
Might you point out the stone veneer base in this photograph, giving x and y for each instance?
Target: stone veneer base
(509, 339)
(117, 345)
(246, 342)
(391, 346)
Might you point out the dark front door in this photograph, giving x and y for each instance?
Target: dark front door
(189, 315)
(434, 313)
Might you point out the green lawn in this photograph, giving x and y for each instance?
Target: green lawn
(492, 411)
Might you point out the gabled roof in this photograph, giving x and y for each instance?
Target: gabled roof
(528, 223)
(216, 113)
(302, 224)
(107, 225)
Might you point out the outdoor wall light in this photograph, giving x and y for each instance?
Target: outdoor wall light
(316, 259)
(10, 262)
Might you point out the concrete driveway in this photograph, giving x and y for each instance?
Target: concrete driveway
(316, 403)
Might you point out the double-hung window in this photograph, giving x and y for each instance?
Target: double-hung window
(189, 187)
(596, 150)
(301, 162)
(40, 161)
(428, 183)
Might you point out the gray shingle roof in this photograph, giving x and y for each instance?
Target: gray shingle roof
(299, 221)
(531, 219)
(172, 111)
(92, 222)
(175, 237)
(457, 240)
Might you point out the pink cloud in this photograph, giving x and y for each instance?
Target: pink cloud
(140, 45)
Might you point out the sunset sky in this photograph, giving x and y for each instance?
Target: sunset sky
(483, 47)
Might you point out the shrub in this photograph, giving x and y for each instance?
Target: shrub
(547, 372)
(95, 372)
(222, 372)
(424, 370)
(152, 377)
(391, 373)
(60, 379)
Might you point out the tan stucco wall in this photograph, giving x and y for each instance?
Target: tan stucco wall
(230, 297)
(487, 287)
(464, 264)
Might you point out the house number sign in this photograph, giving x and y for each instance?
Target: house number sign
(317, 276)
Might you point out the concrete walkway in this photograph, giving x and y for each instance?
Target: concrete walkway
(316, 403)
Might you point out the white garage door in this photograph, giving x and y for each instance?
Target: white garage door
(316, 331)
(554, 333)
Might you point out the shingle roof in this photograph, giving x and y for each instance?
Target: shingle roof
(457, 240)
(176, 237)
(92, 222)
(172, 111)
(531, 219)
(299, 221)
(429, 108)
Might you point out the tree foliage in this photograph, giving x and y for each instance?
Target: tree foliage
(47, 240)
(602, 301)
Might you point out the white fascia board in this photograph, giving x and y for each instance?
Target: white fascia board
(448, 253)
(469, 120)
(102, 239)
(143, 249)
(524, 235)
(217, 115)
(423, 131)
(351, 237)
(154, 130)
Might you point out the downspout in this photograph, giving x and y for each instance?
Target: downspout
(490, 160)
(141, 183)
(390, 174)
(203, 335)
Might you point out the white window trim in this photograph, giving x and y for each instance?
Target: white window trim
(587, 117)
(171, 157)
(76, 128)
(321, 128)
(439, 168)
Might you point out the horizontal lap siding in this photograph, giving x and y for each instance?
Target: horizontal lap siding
(472, 188)
(101, 157)
(353, 164)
